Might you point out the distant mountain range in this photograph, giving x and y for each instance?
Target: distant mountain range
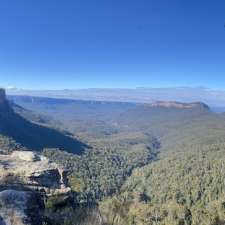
(214, 98)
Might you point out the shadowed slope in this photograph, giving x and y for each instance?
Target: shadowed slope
(34, 136)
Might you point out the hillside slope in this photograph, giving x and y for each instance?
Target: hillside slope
(93, 118)
(31, 135)
(176, 127)
(186, 188)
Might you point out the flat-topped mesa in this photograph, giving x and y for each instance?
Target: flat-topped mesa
(179, 105)
(2, 95)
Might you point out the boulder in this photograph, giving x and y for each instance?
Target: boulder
(25, 156)
(33, 171)
(26, 178)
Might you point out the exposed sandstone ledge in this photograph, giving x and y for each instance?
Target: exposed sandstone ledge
(25, 178)
(25, 156)
(33, 171)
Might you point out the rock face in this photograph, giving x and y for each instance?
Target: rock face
(25, 156)
(4, 105)
(25, 179)
(32, 171)
(2, 96)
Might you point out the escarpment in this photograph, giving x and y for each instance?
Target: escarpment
(2, 96)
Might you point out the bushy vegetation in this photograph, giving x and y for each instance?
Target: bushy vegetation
(8, 145)
(79, 215)
(98, 173)
(184, 188)
(101, 172)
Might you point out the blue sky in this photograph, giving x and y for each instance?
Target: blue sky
(54, 44)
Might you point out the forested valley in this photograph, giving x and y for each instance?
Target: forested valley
(140, 164)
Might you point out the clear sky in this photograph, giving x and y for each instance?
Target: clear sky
(54, 44)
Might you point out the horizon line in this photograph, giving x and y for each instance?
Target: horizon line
(113, 88)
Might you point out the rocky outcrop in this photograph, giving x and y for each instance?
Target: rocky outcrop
(4, 105)
(25, 156)
(33, 171)
(26, 179)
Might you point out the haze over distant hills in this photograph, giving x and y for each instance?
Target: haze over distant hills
(214, 98)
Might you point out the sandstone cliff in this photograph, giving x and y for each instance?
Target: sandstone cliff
(33, 171)
(26, 179)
